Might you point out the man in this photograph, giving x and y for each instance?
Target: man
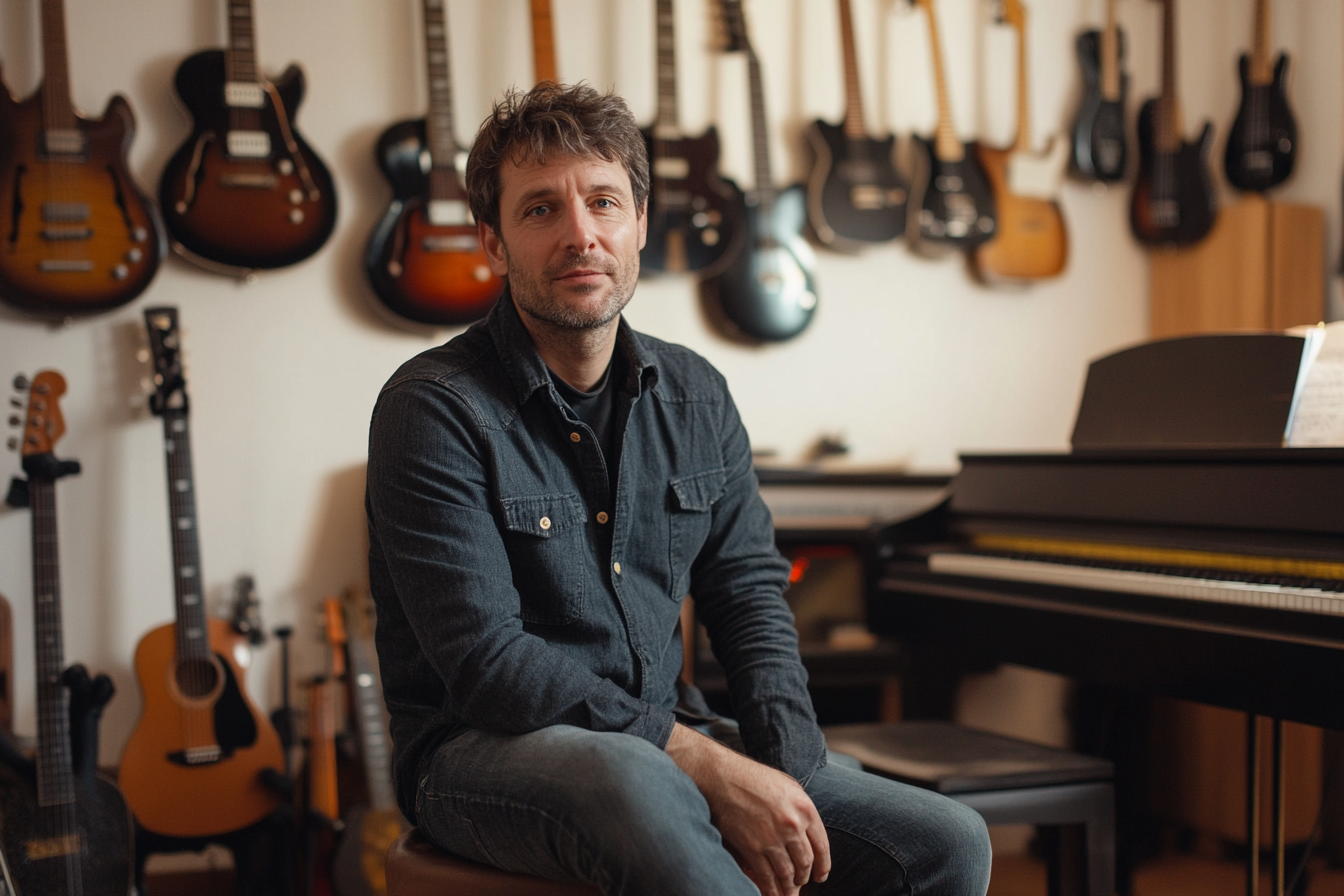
(543, 490)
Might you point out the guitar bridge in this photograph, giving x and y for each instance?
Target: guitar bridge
(53, 847)
(195, 756)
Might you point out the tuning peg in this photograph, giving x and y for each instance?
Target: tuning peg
(13, 443)
(21, 383)
(15, 419)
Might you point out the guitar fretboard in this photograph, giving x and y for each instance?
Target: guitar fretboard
(193, 641)
(55, 780)
(240, 59)
(946, 145)
(765, 187)
(57, 111)
(371, 719)
(543, 41)
(1167, 127)
(1262, 65)
(669, 118)
(1110, 56)
(854, 126)
(1023, 141)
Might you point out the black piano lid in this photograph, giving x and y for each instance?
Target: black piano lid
(1277, 490)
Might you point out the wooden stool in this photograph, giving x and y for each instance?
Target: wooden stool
(1007, 781)
(416, 867)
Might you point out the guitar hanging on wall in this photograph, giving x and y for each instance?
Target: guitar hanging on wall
(855, 194)
(424, 259)
(200, 741)
(1262, 146)
(1030, 242)
(78, 235)
(245, 191)
(1174, 202)
(66, 830)
(768, 292)
(1100, 147)
(952, 199)
(696, 217)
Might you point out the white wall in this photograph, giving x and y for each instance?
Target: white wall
(906, 357)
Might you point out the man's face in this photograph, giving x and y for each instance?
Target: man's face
(569, 239)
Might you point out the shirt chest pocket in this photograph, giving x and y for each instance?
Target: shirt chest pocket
(543, 535)
(692, 500)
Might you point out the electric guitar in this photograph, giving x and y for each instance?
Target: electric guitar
(424, 259)
(695, 216)
(855, 194)
(543, 42)
(359, 868)
(65, 831)
(952, 196)
(768, 292)
(77, 235)
(323, 817)
(1100, 147)
(1262, 145)
(1174, 202)
(193, 765)
(1030, 242)
(245, 191)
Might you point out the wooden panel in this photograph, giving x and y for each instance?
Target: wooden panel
(1297, 265)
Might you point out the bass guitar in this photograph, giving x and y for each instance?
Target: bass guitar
(1174, 202)
(1100, 147)
(424, 258)
(66, 830)
(78, 235)
(855, 194)
(952, 194)
(200, 741)
(1262, 146)
(695, 216)
(1030, 242)
(245, 191)
(768, 292)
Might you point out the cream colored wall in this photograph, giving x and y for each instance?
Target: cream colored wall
(906, 357)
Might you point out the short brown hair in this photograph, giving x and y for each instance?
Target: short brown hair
(553, 118)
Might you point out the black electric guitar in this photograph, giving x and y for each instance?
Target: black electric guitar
(244, 191)
(1100, 147)
(855, 193)
(76, 233)
(952, 195)
(65, 830)
(424, 258)
(696, 217)
(1174, 201)
(1262, 145)
(768, 292)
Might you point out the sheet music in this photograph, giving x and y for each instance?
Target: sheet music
(1318, 415)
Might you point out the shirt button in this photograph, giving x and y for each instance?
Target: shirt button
(602, 516)
(544, 522)
(617, 567)
(574, 437)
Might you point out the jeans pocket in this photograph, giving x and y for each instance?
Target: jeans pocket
(692, 500)
(544, 539)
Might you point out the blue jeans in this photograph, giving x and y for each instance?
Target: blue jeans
(613, 810)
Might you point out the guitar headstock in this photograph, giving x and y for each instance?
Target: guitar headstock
(43, 424)
(165, 345)
(734, 26)
(1012, 13)
(247, 610)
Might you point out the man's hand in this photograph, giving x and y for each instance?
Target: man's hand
(767, 821)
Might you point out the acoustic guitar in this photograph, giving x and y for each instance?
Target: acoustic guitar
(200, 741)
(696, 217)
(1100, 147)
(951, 195)
(1030, 242)
(64, 829)
(768, 293)
(1174, 202)
(1262, 146)
(77, 235)
(244, 191)
(855, 194)
(424, 259)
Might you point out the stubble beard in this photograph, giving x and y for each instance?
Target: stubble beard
(539, 298)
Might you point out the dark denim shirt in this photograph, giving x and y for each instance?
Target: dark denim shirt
(514, 591)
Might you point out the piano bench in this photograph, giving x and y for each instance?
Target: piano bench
(1007, 781)
(415, 867)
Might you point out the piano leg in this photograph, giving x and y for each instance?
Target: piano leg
(1278, 807)
(1252, 804)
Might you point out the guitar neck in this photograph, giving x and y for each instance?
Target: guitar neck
(439, 124)
(1167, 127)
(55, 780)
(543, 41)
(1110, 56)
(1262, 63)
(1023, 141)
(240, 59)
(765, 188)
(855, 128)
(669, 118)
(946, 145)
(58, 113)
(370, 720)
(193, 641)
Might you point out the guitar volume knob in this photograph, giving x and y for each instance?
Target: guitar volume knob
(120, 272)
(296, 216)
(134, 256)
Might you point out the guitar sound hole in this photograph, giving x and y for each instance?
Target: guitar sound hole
(196, 678)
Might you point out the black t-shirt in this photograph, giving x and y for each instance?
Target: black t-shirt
(598, 409)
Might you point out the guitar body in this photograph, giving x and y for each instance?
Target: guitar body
(1262, 147)
(165, 791)
(1174, 201)
(434, 274)
(77, 235)
(769, 291)
(1030, 242)
(697, 219)
(1100, 148)
(359, 868)
(955, 201)
(260, 212)
(855, 193)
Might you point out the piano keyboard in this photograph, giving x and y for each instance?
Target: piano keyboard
(1189, 586)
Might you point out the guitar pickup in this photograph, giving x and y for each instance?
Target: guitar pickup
(249, 181)
(248, 144)
(52, 847)
(64, 142)
(672, 168)
(65, 212)
(244, 95)
(59, 234)
(448, 213)
(461, 243)
(65, 265)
